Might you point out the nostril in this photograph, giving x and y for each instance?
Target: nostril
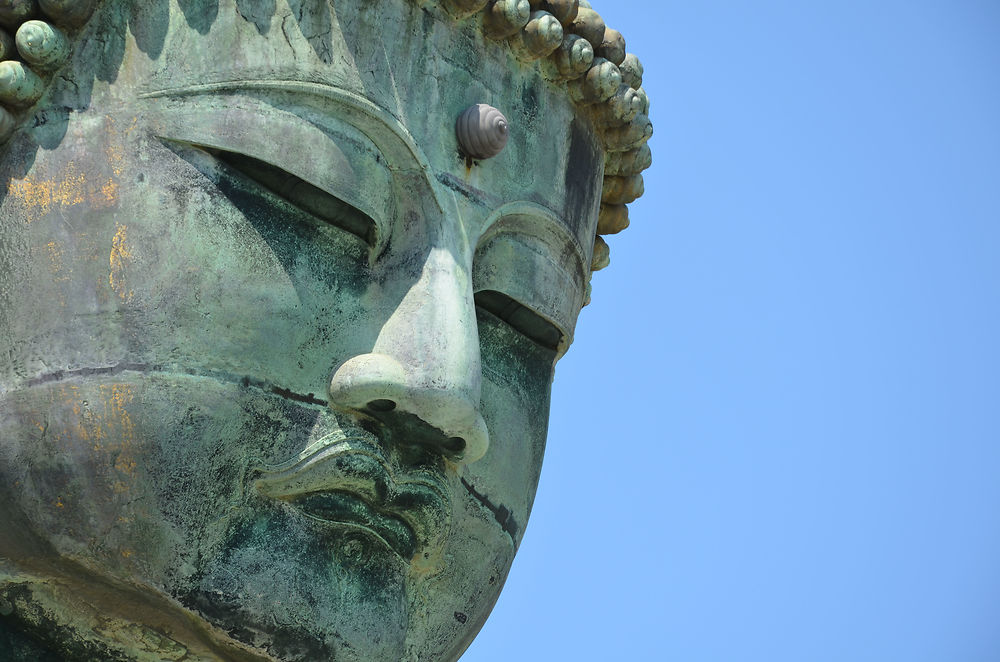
(454, 445)
(382, 405)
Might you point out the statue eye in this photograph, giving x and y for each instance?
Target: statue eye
(521, 318)
(301, 194)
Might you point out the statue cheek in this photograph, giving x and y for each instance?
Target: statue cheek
(195, 268)
(517, 379)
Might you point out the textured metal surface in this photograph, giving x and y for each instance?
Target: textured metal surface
(277, 366)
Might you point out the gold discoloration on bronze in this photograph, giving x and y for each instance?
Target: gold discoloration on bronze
(118, 260)
(40, 196)
(110, 430)
(120, 397)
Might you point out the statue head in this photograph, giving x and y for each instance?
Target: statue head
(278, 340)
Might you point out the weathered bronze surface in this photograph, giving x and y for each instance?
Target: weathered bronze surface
(275, 354)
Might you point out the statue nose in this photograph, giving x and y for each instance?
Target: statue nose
(423, 377)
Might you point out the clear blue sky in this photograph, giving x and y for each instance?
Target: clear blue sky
(777, 436)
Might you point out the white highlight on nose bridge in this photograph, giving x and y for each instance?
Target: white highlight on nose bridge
(433, 329)
(463, 230)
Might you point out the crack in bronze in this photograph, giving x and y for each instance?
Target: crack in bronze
(503, 515)
(146, 368)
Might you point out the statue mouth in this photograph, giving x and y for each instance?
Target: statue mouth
(350, 481)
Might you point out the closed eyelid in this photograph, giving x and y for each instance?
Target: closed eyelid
(527, 257)
(302, 194)
(520, 317)
(328, 171)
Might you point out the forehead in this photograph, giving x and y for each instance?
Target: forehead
(416, 65)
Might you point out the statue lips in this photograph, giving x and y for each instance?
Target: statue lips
(350, 481)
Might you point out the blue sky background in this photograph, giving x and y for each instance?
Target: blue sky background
(777, 436)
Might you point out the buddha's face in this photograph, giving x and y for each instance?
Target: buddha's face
(277, 357)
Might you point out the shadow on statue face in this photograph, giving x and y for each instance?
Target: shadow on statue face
(278, 356)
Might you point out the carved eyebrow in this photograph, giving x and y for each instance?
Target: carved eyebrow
(394, 141)
(527, 218)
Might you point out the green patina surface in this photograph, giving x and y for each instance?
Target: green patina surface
(276, 356)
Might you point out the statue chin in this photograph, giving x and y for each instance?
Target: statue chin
(278, 344)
